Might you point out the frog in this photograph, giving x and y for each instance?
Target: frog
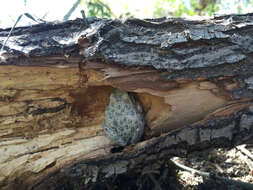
(124, 118)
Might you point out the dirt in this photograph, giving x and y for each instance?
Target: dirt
(227, 163)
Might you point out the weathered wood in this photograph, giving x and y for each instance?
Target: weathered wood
(193, 79)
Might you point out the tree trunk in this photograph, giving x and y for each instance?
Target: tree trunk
(193, 79)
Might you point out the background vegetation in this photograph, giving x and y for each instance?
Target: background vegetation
(51, 10)
(165, 8)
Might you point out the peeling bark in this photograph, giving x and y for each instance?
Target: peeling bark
(193, 79)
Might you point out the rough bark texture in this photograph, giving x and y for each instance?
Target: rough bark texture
(193, 78)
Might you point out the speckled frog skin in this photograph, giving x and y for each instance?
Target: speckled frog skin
(124, 120)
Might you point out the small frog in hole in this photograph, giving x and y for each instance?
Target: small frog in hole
(124, 118)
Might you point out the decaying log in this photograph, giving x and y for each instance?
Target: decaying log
(193, 79)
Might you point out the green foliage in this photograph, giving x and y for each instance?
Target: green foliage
(126, 15)
(205, 7)
(186, 7)
(164, 8)
(96, 8)
(245, 3)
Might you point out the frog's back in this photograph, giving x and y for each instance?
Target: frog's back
(124, 120)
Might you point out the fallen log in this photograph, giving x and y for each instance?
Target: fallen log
(193, 79)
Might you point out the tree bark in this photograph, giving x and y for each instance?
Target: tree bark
(193, 79)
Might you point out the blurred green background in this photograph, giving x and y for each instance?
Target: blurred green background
(165, 8)
(51, 10)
